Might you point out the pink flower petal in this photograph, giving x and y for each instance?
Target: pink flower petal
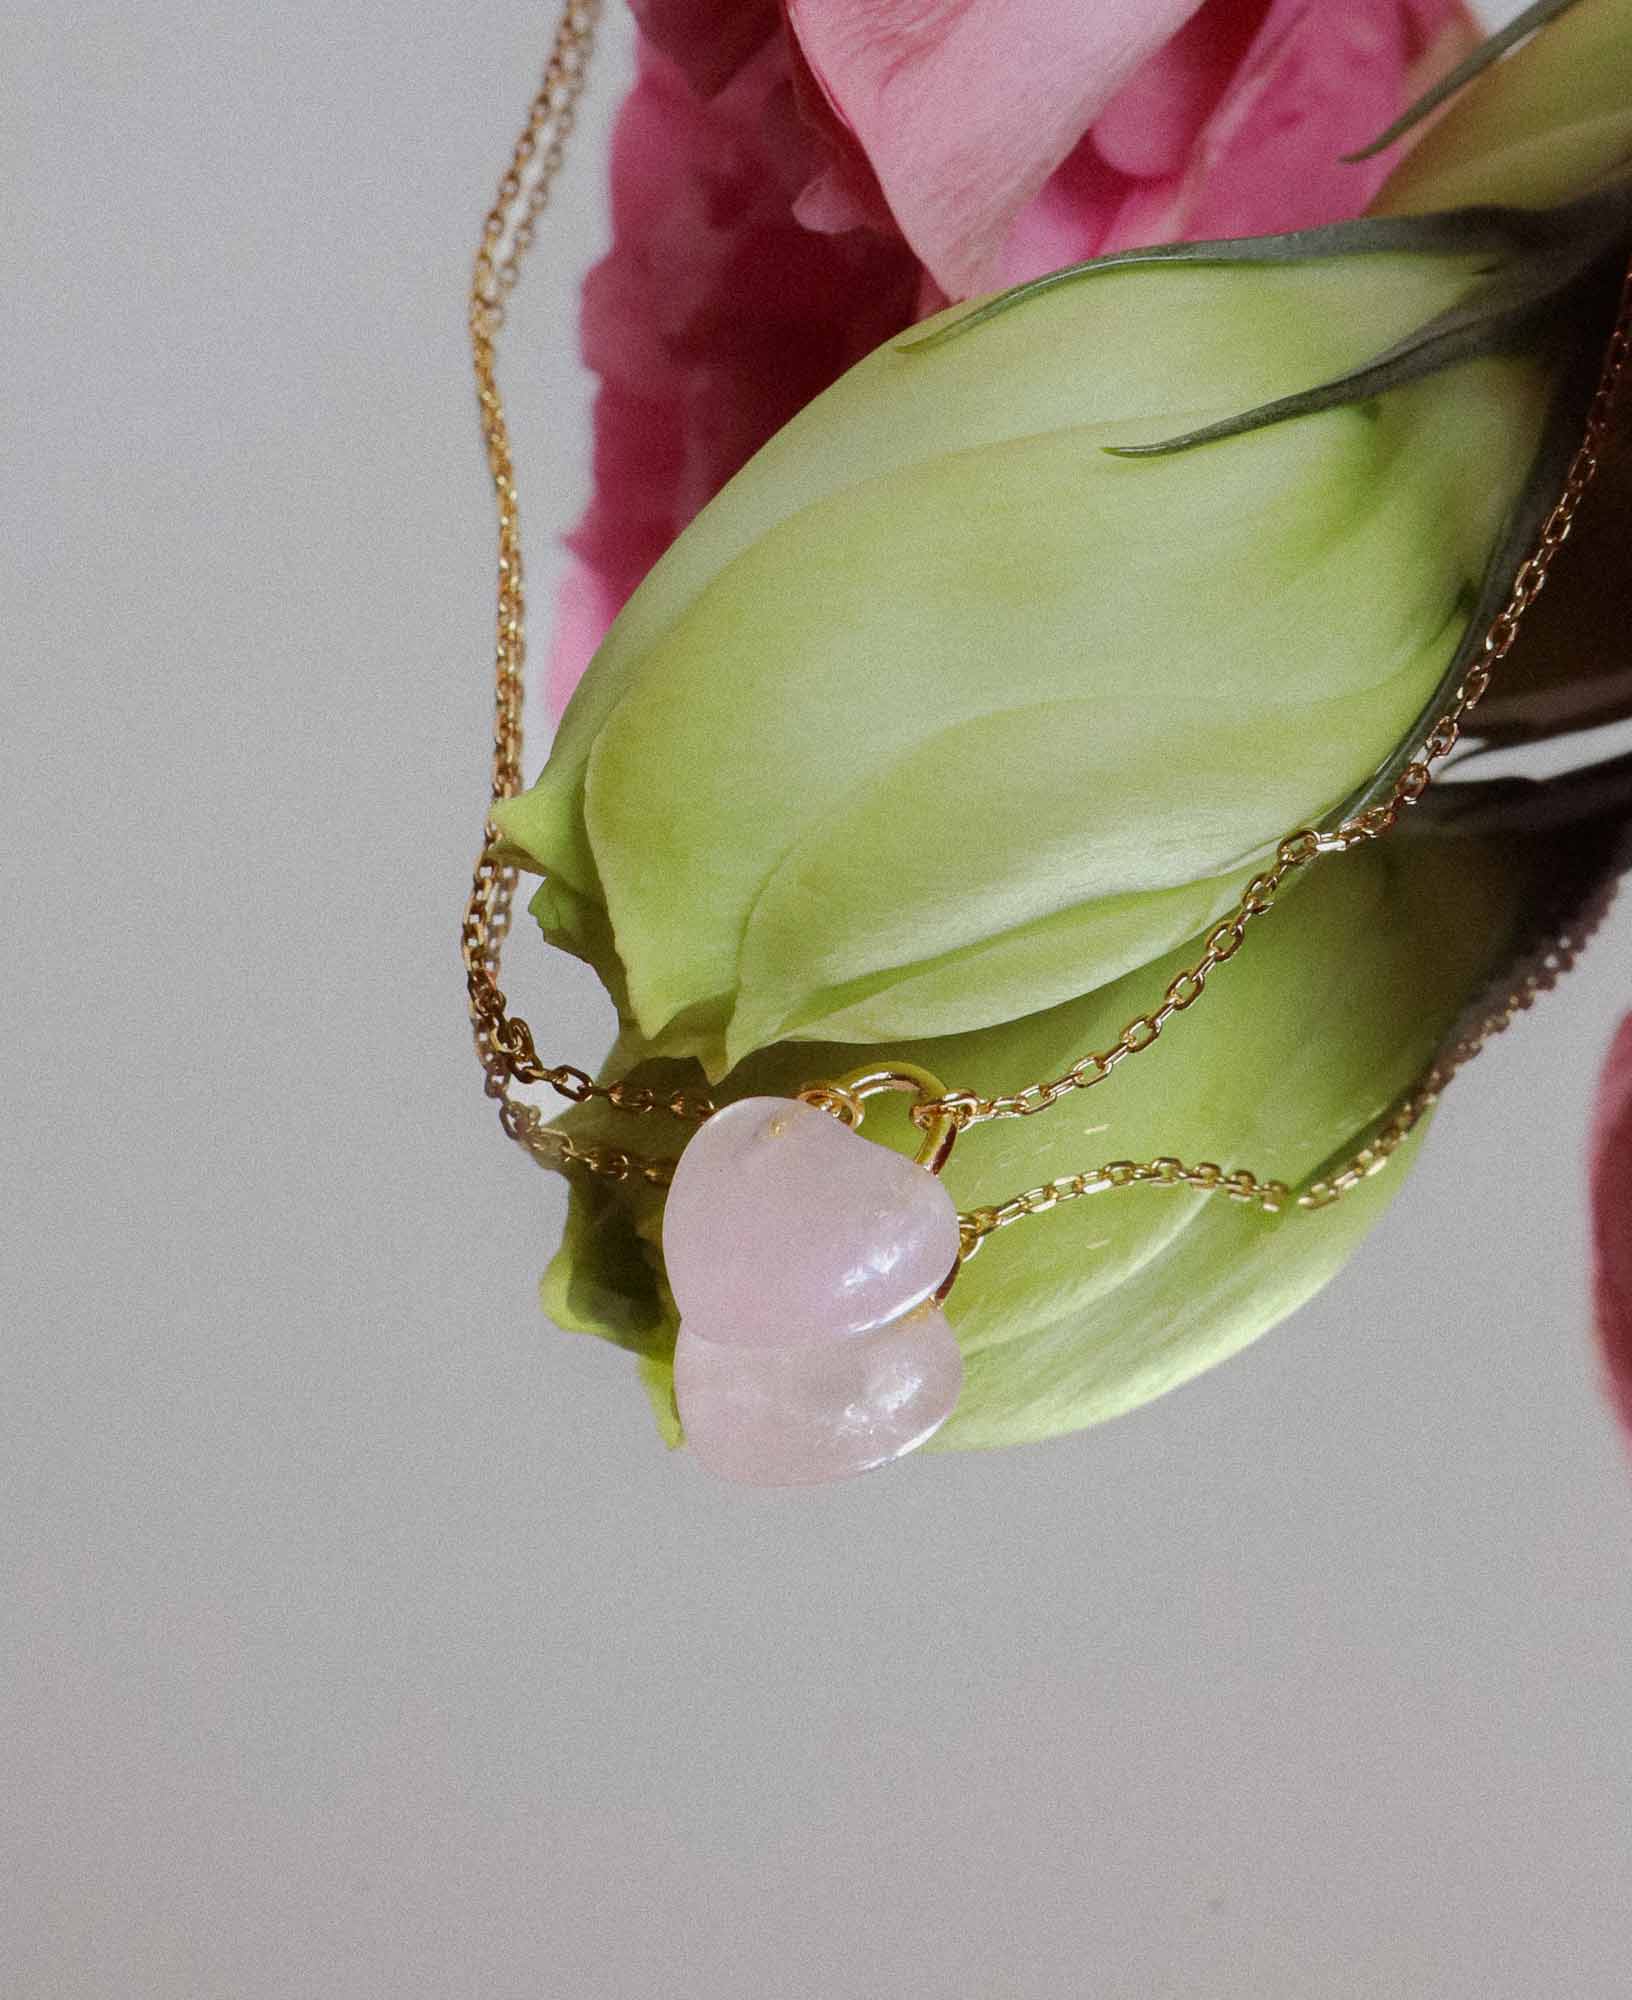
(1300, 101)
(965, 107)
(585, 605)
(1149, 127)
(1237, 128)
(708, 40)
(715, 318)
(1611, 1169)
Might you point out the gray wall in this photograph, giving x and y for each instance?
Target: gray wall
(358, 1638)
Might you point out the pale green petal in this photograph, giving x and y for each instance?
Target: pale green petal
(1334, 1005)
(1230, 1277)
(1034, 964)
(1071, 678)
(935, 564)
(1083, 827)
(657, 1379)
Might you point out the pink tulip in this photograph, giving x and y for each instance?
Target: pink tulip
(791, 186)
(1612, 1219)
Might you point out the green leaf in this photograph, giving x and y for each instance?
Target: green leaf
(1554, 266)
(1462, 231)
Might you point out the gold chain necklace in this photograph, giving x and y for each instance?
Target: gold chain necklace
(504, 1042)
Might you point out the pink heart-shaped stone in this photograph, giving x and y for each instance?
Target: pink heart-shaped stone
(782, 1228)
(798, 1416)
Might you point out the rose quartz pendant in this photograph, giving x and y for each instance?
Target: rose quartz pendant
(801, 1415)
(782, 1228)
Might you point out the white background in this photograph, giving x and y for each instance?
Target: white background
(359, 1639)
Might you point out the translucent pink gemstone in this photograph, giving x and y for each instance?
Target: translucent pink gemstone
(782, 1227)
(796, 1416)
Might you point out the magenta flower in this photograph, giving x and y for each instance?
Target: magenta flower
(1019, 135)
(792, 186)
(716, 317)
(1612, 1219)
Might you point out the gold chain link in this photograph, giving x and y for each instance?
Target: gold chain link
(1223, 941)
(1301, 847)
(504, 1042)
(1535, 977)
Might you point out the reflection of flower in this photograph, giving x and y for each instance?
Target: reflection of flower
(767, 185)
(1612, 1218)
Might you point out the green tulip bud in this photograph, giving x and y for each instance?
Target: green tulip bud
(949, 727)
(1336, 1005)
(940, 713)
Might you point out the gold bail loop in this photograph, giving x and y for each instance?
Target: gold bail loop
(846, 1099)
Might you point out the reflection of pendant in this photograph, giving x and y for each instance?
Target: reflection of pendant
(808, 1264)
